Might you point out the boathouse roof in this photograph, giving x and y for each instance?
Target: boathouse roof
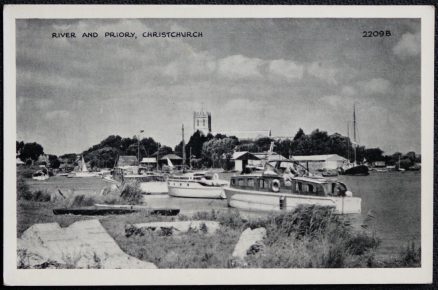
(149, 160)
(171, 157)
(319, 157)
(126, 161)
(244, 155)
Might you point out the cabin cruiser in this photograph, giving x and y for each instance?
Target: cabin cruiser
(272, 191)
(41, 175)
(196, 185)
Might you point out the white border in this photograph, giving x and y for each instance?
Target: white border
(13, 276)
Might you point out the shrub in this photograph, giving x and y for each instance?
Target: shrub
(23, 191)
(361, 243)
(410, 256)
(41, 195)
(132, 194)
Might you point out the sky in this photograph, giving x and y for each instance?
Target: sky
(251, 74)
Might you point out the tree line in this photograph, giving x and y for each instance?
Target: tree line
(216, 151)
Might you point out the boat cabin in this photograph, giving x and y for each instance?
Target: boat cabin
(297, 185)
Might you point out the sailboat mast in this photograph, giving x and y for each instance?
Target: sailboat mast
(183, 147)
(348, 141)
(354, 132)
(354, 123)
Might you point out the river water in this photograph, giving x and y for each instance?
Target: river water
(392, 199)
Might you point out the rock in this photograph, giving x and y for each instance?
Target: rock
(170, 228)
(84, 244)
(249, 240)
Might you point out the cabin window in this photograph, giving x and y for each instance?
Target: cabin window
(251, 182)
(233, 181)
(299, 186)
(241, 182)
(333, 187)
(261, 183)
(203, 122)
(311, 188)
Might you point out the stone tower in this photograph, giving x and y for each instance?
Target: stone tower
(202, 122)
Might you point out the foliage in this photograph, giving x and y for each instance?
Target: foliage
(218, 151)
(102, 158)
(30, 151)
(19, 147)
(23, 191)
(104, 154)
(54, 161)
(132, 194)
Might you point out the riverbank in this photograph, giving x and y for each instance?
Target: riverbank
(306, 238)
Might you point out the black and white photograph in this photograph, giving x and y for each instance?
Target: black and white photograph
(252, 142)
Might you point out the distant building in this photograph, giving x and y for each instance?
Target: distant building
(379, 164)
(202, 122)
(149, 162)
(247, 135)
(241, 160)
(265, 156)
(174, 159)
(126, 161)
(319, 162)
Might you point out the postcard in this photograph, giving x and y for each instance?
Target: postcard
(175, 145)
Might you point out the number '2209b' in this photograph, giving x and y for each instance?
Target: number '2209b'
(376, 33)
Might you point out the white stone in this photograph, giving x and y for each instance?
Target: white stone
(84, 244)
(247, 239)
(181, 226)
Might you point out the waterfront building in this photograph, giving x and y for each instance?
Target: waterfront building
(320, 162)
(241, 159)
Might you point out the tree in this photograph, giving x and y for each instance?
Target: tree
(54, 161)
(195, 143)
(299, 134)
(31, 151)
(374, 154)
(19, 147)
(217, 150)
(264, 143)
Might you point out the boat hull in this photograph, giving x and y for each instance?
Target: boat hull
(357, 170)
(268, 201)
(194, 190)
(154, 187)
(82, 175)
(40, 178)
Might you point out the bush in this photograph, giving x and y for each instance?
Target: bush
(132, 194)
(23, 191)
(41, 195)
(361, 243)
(410, 256)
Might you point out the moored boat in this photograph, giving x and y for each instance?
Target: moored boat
(149, 182)
(272, 192)
(83, 172)
(40, 175)
(196, 185)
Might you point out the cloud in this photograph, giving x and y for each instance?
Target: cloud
(408, 46)
(286, 69)
(376, 86)
(348, 91)
(240, 67)
(58, 114)
(323, 72)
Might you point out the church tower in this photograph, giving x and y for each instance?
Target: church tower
(202, 122)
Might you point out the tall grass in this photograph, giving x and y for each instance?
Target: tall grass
(24, 193)
(312, 236)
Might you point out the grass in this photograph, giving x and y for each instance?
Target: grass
(308, 237)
